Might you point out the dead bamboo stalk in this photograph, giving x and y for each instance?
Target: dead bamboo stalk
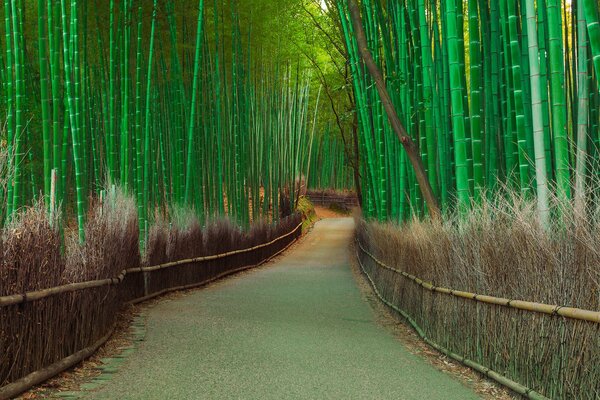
(53, 196)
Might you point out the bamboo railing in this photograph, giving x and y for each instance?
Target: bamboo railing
(563, 311)
(327, 199)
(73, 287)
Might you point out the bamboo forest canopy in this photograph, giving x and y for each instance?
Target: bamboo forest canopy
(494, 92)
(227, 106)
(211, 104)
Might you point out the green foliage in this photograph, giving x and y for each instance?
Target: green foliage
(209, 106)
(307, 210)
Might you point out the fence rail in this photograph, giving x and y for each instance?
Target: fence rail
(563, 311)
(326, 199)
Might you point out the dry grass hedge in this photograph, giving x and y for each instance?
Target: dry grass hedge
(500, 249)
(111, 246)
(30, 260)
(217, 237)
(36, 334)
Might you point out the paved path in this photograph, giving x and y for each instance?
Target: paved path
(298, 329)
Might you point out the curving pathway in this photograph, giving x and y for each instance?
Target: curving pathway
(298, 329)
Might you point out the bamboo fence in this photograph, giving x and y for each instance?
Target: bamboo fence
(132, 286)
(534, 349)
(327, 198)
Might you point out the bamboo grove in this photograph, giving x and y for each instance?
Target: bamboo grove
(330, 166)
(493, 92)
(121, 92)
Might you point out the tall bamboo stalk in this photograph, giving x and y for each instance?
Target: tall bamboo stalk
(191, 124)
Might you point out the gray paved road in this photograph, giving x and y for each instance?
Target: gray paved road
(298, 329)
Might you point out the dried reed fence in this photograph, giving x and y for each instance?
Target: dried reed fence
(56, 310)
(499, 252)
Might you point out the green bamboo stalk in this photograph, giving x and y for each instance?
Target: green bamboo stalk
(218, 122)
(9, 105)
(111, 133)
(458, 117)
(190, 141)
(428, 97)
(125, 131)
(543, 192)
(542, 42)
(147, 156)
(515, 56)
(54, 45)
(43, 60)
(139, 139)
(475, 95)
(593, 26)
(558, 99)
(72, 101)
(19, 130)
